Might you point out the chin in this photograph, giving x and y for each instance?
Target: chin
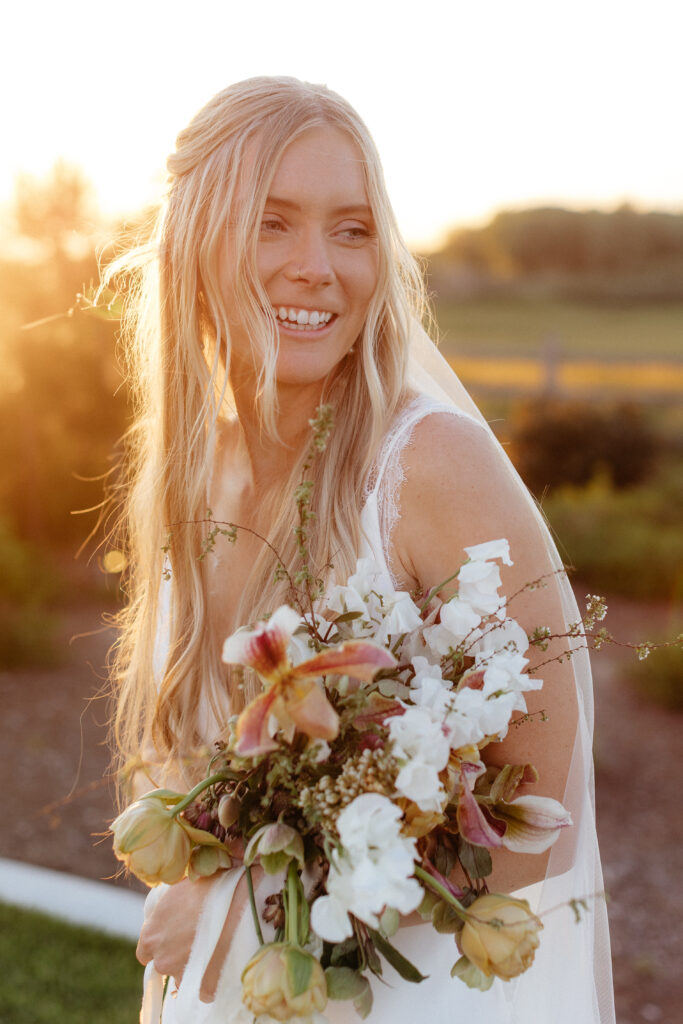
(297, 371)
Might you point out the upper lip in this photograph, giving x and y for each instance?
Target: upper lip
(298, 306)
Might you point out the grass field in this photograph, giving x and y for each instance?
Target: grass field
(53, 973)
(524, 327)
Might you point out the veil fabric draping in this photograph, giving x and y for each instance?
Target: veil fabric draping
(570, 981)
(573, 960)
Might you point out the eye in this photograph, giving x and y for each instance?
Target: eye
(271, 225)
(355, 232)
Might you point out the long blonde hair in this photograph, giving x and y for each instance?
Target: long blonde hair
(177, 339)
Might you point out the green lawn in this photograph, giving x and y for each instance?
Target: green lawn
(53, 973)
(521, 327)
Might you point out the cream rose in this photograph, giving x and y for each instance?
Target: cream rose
(284, 981)
(500, 935)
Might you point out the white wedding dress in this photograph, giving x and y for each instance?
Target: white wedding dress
(570, 980)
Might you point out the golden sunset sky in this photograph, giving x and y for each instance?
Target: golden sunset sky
(475, 106)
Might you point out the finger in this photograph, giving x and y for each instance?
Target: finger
(142, 952)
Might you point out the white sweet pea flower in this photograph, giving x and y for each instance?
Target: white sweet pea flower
(401, 616)
(458, 620)
(507, 635)
(490, 549)
(343, 599)
(477, 716)
(366, 593)
(373, 871)
(478, 584)
(366, 579)
(422, 743)
(427, 681)
(505, 671)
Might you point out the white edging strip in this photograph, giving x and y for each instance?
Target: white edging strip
(99, 905)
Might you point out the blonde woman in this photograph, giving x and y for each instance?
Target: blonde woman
(278, 280)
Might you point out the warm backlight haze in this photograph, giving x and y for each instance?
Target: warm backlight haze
(474, 107)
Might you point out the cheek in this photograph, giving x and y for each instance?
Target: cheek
(365, 281)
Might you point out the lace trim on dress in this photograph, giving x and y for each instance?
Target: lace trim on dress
(386, 479)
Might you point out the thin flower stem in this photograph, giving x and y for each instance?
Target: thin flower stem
(252, 904)
(234, 526)
(441, 890)
(292, 925)
(435, 590)
(199, 788)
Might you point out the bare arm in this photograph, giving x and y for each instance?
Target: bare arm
(457, 492)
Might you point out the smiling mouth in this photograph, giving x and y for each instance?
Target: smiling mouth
(303, 320)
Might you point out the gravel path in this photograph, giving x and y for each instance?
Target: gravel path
(58, 802)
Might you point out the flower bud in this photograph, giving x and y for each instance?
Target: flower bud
(206, 861)
(150, 841)
(275, 845)
(228, 810)
(500, 935)
(284, 981)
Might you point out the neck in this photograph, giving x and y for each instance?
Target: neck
(264, 460)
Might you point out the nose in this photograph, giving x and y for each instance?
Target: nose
(310, 261)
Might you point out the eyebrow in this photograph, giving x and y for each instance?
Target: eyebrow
(338, 211)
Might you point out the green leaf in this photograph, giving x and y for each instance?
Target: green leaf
(341, 950)
(476, 860)
(429, 901)
(471, 975)
(299, 969)
(169, 796)
(445, 920)
(389, 922)
(363, 1003)
(344, 983)
(408, 971)
(444, 860)
(347, 617)
(372, 958)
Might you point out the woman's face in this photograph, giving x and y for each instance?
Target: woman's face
(317, 256)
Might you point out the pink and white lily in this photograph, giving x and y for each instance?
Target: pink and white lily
(527, 824)
(293, 695)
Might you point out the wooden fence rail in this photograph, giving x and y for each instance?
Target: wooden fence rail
(638, 379)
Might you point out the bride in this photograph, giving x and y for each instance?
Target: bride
(278, 280)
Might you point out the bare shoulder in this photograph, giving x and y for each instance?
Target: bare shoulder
(459, 490)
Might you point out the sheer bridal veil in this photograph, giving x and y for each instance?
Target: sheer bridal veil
(572, 972)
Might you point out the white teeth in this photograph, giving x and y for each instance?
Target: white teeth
(303, 317)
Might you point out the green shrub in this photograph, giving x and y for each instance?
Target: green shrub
(660, 677)
(27, 585)
(624, 542)
(556, 441)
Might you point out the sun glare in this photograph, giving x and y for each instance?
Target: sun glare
(473, 109)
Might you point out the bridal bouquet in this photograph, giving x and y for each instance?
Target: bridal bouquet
(356, 774)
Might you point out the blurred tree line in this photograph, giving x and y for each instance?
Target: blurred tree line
(578, 254)
(62, 406)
